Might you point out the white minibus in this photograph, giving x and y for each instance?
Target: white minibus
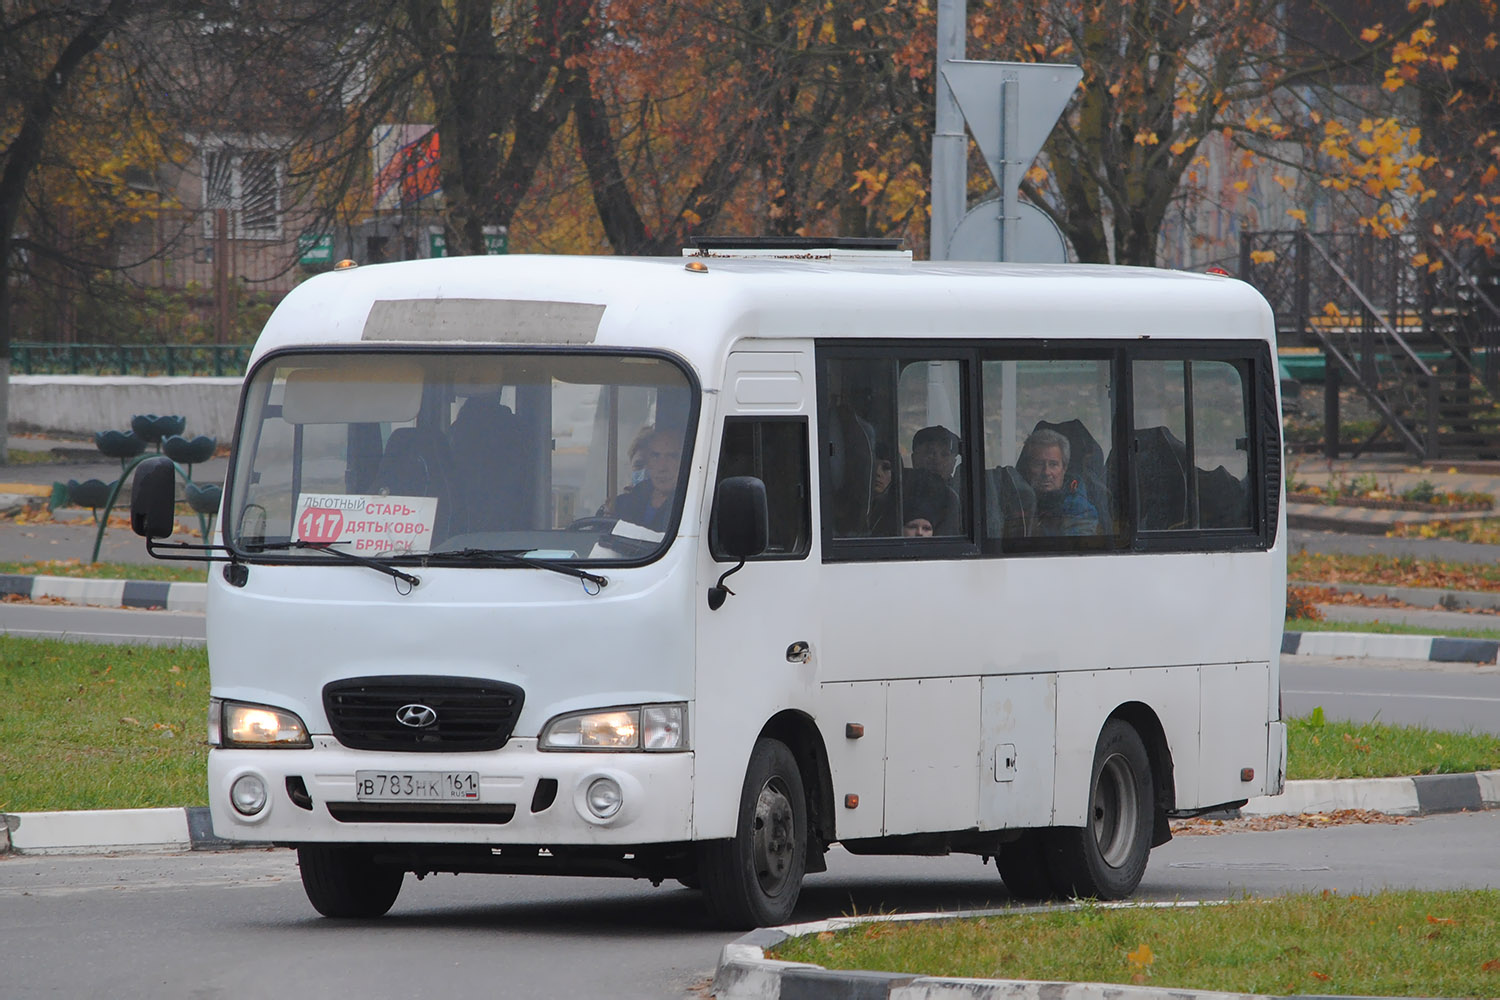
(693, 568)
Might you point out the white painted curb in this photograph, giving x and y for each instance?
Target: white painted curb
(94, 831)
(1396, 796)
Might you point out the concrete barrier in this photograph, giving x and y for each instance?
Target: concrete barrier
(76, 405)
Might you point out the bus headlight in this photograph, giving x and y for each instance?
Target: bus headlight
(259, 726)
(637, 727)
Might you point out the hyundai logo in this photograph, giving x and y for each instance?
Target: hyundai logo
(416, 716)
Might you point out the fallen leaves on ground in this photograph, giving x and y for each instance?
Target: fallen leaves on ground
(1202, 826)
(1393, 571)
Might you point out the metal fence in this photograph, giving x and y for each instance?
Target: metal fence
(128, 359)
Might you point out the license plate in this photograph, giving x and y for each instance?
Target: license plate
(416, 786)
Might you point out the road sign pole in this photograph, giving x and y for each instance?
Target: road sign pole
(950, 144)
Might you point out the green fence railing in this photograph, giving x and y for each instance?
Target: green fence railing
(128, 359)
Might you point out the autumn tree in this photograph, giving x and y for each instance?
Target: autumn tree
(68, 133)
(781, 118)
(496, 80)
(1312, 90)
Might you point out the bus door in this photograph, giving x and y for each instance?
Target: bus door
(758, 652)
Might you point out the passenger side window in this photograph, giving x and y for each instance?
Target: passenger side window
(1048, 427)
(773, 450)
(893, 440)
(1191, 439)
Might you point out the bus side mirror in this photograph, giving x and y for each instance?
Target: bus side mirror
(742, 525)
(740, 529)
(153, 498)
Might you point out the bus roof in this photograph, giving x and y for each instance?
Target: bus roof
(696, 307)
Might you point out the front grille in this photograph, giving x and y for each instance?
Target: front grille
(418, 812)
(472, 714)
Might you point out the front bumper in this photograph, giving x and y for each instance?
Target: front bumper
(656, 807)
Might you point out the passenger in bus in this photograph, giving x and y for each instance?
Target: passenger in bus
(937, 449)
(649, 504)
(885, 505)
(1062, 506)
(928, 506)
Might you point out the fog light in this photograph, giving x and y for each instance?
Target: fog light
(248, 794)
(604, 797)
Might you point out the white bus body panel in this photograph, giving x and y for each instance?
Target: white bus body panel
(981, 684)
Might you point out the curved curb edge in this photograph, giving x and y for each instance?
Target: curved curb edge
(744, 973)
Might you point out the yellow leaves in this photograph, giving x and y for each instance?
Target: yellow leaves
(1262, 256)
(1242, 186)
(1179, 147)
(1146, 137)
(1420, 260)
(1371, 33)
(1037, 174)
(1332, 311)
(1298, 214)
(1140, 962)
(1114, 89)
(858, 24)
(1286, 183)
(691, 217)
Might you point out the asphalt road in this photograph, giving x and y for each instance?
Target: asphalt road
(236, 924)
(62, 621)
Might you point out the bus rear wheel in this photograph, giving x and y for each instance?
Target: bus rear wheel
(345, 882)
(1106, 858)
(754, 878)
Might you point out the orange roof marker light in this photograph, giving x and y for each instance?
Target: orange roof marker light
(1216, 269)
(696, 266)
(345, 264)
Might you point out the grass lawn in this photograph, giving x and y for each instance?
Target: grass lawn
(1387, 628)
(89, 726)
(1317, 748)
(1399, 944)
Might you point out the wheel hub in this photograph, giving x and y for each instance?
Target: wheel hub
(1116, 811)
(774, 838)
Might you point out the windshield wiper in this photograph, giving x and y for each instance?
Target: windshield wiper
(514, 558)
(374, 564)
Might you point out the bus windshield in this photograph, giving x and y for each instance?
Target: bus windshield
(455, 456)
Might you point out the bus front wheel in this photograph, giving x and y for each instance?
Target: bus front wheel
(345, 882)
(754, 878)
(1105, 858)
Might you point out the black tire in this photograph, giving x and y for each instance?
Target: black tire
(345, 882)
(754, 878)
(1106, 858)
(1023, 867)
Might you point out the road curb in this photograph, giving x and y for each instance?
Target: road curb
(1418, 795)
(104, 831)
(1439, 648)
(744, 973)
(107, 593)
